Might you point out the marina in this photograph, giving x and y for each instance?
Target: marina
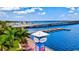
(55, 37)
(39, 28)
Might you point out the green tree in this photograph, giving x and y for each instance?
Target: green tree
(21, 33)
(8, 35)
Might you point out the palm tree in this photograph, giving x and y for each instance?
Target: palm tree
(2, 35)
(9, 31)
(8, 35)
(2, 40)
(21, 33)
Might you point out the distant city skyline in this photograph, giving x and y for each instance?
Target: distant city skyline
(39, 13)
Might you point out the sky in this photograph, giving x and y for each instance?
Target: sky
(39, 13)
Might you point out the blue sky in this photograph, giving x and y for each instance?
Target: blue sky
(39, 13)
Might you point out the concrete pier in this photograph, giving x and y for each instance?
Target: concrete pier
(62, 23)
(55, 29)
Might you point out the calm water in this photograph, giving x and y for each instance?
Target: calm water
(62, 40)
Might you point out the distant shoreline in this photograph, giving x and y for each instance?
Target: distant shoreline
(52, 24)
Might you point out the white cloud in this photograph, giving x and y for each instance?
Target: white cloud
(77, 8)
(19, 12)
(2, 13)
(41, 13)
(72, 8)
(76, 13)
(70, 11)
(38, 8)
(9, 8)
(71, 15)
(41, 9)
(28, 11)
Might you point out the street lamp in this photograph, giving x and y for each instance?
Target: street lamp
(39, 39)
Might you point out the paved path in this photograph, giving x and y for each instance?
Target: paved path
(31, 44)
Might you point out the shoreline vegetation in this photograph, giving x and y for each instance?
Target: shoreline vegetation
(15, 36)
(11, 38)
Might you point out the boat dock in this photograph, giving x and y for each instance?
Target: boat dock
(55, 29)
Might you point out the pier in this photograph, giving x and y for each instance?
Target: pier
(54, 30)
(60, 23)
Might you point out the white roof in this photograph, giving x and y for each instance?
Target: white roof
(39, 34)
